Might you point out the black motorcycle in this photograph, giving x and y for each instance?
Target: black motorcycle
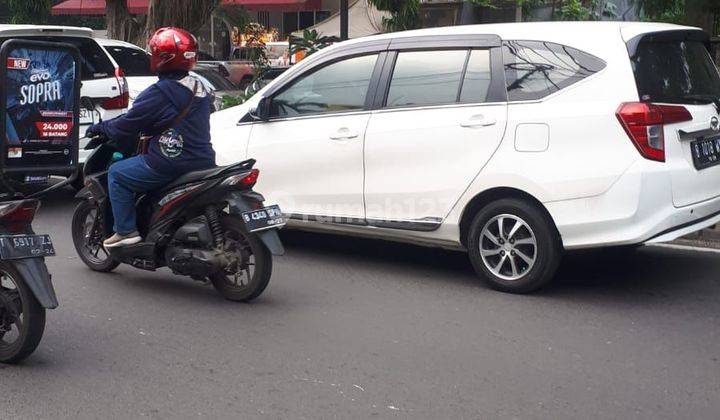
(25, 286)
(209, 225)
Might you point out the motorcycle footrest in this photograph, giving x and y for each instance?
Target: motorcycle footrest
(141, 250)
(143, 264)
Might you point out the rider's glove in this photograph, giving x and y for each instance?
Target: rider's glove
(94, 131)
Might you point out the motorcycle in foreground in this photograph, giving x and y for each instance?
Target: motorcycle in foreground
(25, 286)
(209, 225)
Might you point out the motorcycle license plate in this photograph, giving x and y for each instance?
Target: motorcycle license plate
(265, 218)
(14, 247)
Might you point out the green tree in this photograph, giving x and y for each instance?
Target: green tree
(404, 14)
(186, 14)
(29, 11)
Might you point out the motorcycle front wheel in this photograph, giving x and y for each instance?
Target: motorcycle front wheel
(88, 233)
(22, 318)
(251, 263)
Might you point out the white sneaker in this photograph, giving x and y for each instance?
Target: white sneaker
(122, 240)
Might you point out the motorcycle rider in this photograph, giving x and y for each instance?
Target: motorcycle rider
(175, 112)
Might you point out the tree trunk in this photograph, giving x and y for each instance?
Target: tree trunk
(697, 13)
(190, 15)
(121, 24)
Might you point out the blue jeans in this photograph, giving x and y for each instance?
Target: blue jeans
(126, 178)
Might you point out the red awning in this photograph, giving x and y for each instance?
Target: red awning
(275, 5)
(138, 7)
(96, 7)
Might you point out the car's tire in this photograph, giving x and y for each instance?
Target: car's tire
(88, 244)
(527, 254)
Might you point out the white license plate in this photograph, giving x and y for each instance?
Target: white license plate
(265, 218)
(89, 117)
(26, 246)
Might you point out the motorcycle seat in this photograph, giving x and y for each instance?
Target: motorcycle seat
(214, 172)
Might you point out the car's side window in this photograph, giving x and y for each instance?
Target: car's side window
(426, 78)
(535, 69)
(432, 77)
(340, 86)
(476, 83)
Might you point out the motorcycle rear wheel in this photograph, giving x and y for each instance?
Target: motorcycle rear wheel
(251, 253)
(20, 333)
(88, 238)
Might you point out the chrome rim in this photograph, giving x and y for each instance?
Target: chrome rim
(508, 247)
(11, 316)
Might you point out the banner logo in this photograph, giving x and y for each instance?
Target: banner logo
(18, 63)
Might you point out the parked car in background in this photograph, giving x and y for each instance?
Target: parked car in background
(514, 142)
(263, 81)
(136, 63)
(102, 79)
(278, 53)
(216, 84)
(239, 73)
(240, 68)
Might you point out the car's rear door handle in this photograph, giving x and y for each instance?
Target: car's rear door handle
(344, 134)
(478, 121)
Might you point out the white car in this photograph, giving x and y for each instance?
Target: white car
(102, 79)
(514, 141)
(135, 63)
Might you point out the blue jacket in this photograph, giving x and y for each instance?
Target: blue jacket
(176, 150)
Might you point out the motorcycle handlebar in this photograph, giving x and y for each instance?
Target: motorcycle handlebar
(95, 141)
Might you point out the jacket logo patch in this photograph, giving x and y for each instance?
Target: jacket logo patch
(171, 143)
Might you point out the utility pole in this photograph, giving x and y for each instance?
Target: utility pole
(343, 20)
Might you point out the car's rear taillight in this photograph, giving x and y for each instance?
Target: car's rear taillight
(644, 124)
(123, 100)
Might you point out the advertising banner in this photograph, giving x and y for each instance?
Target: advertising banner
(40, 90)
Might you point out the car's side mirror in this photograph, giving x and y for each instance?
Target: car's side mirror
(261, 112)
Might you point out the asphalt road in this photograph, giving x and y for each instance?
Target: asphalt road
(355, 329)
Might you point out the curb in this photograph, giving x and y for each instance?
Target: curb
(706, 238)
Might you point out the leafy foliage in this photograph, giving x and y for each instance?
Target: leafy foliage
(29, 11)
(253, 35)
(311, 42)
(672, 11)
(404, 14)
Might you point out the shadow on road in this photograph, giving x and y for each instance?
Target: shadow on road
(649, 271)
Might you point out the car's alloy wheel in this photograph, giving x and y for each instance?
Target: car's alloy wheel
(508, 246)
(514, 245)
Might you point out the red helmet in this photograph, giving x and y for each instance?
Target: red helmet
(172, 49)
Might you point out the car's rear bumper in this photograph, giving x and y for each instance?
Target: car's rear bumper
(638, 208)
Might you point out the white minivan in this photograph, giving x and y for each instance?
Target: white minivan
(511, 141)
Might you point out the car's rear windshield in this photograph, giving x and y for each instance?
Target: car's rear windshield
(676, 71)
(133, 61)
(95, 62)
